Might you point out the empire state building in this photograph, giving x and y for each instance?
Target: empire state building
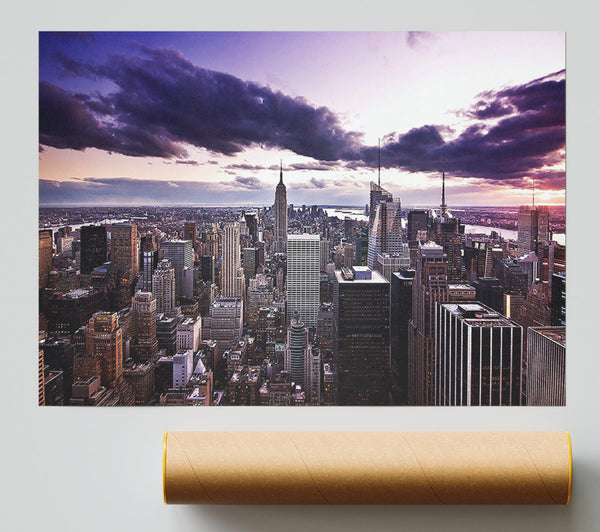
(281, 215)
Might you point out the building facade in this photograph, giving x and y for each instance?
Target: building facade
(478, 357)
(430, 286)
(163, 287)
(303, 280)
(546, 366)
(180, 254)
(362, 311)
(93, 247)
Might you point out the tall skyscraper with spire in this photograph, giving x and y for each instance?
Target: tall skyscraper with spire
(443, 206)
(385, 236)
(533, 226)
(281, 215)
(446, 232)
(385, 225)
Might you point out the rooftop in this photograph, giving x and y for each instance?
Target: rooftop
(304, 236)
(478, 315)
(556, 334)
(375, 278)
(78, 292)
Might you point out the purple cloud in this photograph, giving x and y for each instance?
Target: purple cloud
(163, 103)
(165, 100)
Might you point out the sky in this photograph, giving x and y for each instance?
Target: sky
(207, 118)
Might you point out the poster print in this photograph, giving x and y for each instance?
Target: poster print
(302, 219)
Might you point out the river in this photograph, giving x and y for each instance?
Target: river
(76, 227)
(507, 234)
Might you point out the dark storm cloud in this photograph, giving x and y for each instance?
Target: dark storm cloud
(66, 121)
(511, 147)
(494, 109)
(188, 161)
(163, 100)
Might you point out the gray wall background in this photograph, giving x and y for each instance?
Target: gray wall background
(100, 469)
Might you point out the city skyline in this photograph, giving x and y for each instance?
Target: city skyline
(129, 118)
(312, 281)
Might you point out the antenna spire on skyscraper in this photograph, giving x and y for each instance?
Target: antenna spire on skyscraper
(379, 162)
(281, 171)
(443, 206)
(533, 192)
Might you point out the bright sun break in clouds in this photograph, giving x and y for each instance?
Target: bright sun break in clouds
(151, 118)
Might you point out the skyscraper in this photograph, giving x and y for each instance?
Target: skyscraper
(163, 287)
(212, 242)
(281, 215)
(303, 279)
(149, 262)
(546, 366)
(181, 255)
(93, 247)
(190, 232)
(326, 332)
(376, 196)
(250, 260)
(45, 257)
(558, 301)
(348, 256)
(362, 246)
(66, 312)
(489, 292)
(224, 324)
(385, 230)
(400, 314)
(533, 224)
(478, 358)
(446, 232)
(417, 224)
(514, 284)
(312, 375)
(260, 294)
(324, 253)
(144, 345)
(429, 287)
(295, 350)
(389, 263)
(361, 300)
(103, 356)
(252, 224)
(232, 268)
(207, 268)
(124, 251)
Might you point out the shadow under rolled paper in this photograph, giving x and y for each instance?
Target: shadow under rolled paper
(450, 518)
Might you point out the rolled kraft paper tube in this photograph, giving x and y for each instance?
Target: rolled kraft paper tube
(367, 467)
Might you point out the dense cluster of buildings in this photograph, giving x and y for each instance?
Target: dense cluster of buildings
(290, 306)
